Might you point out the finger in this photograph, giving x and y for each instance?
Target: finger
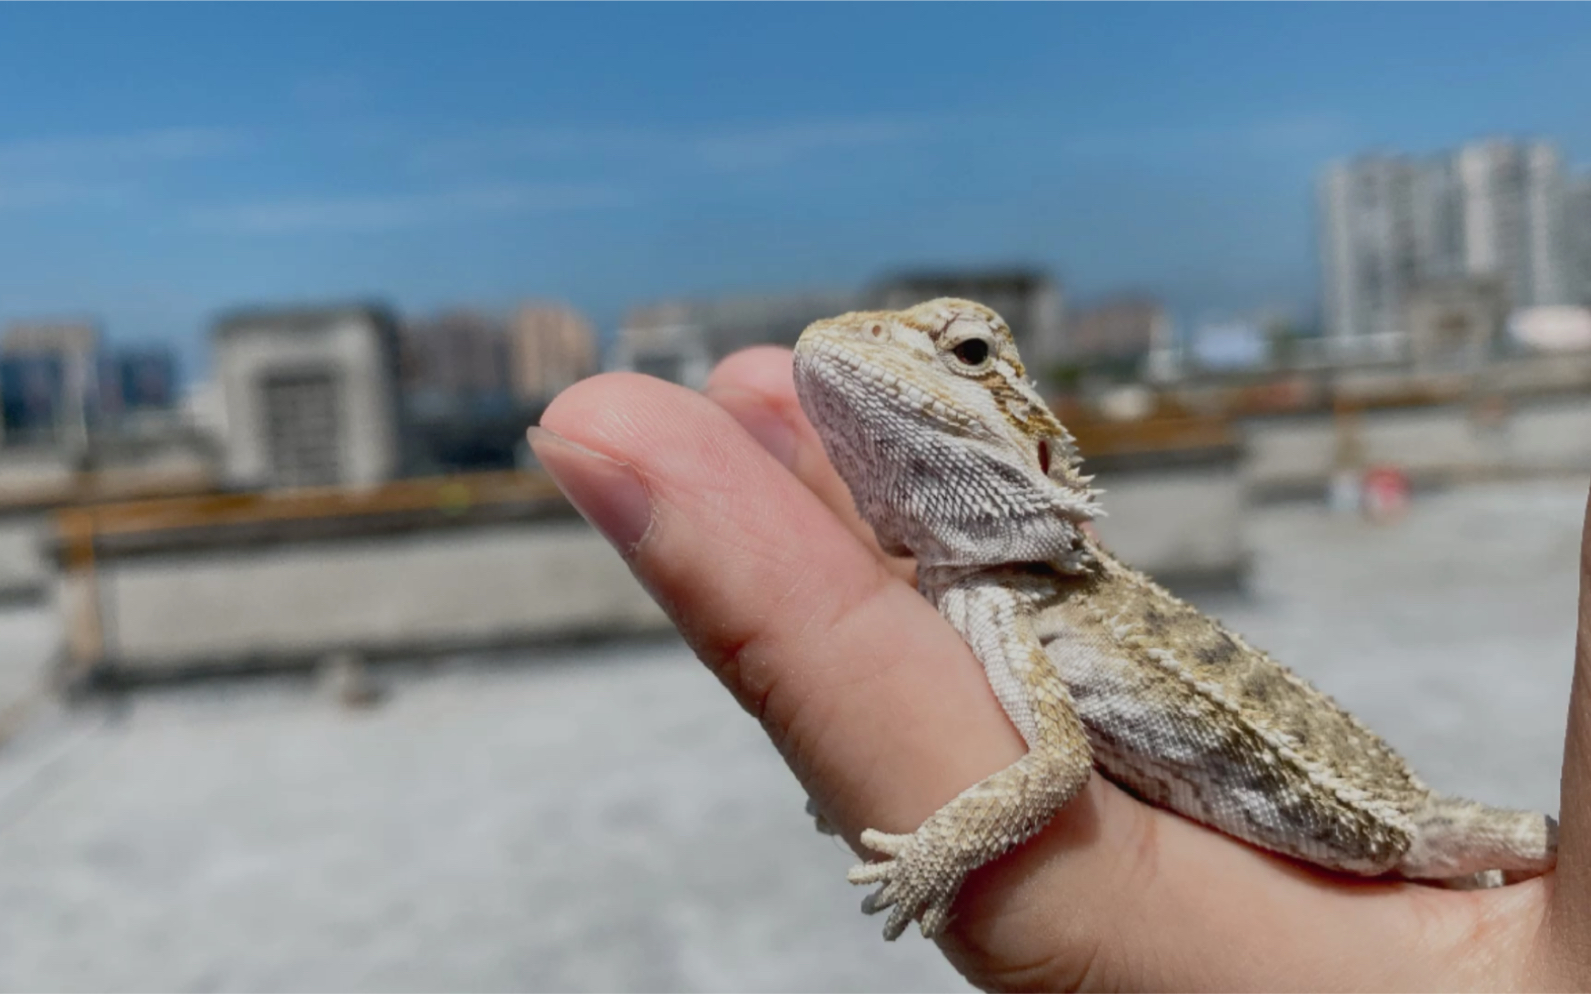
(757, 388)
(883, 713)
(1570, 919)
(846, 666)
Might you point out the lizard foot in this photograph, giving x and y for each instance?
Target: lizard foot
(918, 883)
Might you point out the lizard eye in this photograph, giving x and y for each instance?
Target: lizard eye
(972, 352)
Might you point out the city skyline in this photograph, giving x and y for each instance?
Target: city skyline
(199, 159)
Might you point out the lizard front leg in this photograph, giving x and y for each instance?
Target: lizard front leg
(926, 868)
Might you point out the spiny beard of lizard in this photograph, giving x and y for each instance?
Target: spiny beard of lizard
(947, 448)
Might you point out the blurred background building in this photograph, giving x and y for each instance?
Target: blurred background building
(50, 367)
(455, 361)
(1123, 328)
(1500, 212)
(1454, 323)
(680, 340)
(311, 396)
(552, 347)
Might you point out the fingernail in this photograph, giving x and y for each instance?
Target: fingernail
(771, 431)
(606, 492)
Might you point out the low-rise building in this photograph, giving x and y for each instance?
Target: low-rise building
(51, 364)
(1122, 328)
(311, 396)
(680, 340)
(676, 352)
(1454, 324)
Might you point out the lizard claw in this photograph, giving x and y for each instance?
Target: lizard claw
(910, 886)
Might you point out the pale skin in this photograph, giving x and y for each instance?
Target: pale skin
(725, 506)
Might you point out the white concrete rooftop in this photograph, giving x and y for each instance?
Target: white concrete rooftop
(607, 818)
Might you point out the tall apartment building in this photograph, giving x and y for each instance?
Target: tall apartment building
(1511, 197)
(550, 347)
(1577, 237)
(1388, 224)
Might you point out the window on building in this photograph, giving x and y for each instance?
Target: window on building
(303, 428)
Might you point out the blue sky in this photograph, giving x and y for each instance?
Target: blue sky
(158, 163)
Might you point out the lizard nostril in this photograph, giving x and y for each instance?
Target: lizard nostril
(877, 331)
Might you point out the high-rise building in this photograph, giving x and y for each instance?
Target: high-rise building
(550, 347)
(1382, 224)
(1492, 210)
(1511, 196)
(1577, 238)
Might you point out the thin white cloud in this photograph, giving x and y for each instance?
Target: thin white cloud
(115, 151)
(47, 194)
(1300, 133)
(497, 146)
(732, 149)
(374, 213)
(772, 147)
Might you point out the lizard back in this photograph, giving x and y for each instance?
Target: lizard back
(1188, 716)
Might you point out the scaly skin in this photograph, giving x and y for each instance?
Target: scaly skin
(952, 456)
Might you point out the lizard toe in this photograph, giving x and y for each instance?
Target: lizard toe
(898, 920)
(889, 845)
(870, 873)
(935, 919)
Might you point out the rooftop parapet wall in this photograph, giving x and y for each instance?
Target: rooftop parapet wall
(225, 582)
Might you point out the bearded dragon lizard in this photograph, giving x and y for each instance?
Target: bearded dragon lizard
(953, 457)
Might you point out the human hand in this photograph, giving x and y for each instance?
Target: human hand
(727, 510)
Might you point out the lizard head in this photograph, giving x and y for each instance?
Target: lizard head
(949, 451)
